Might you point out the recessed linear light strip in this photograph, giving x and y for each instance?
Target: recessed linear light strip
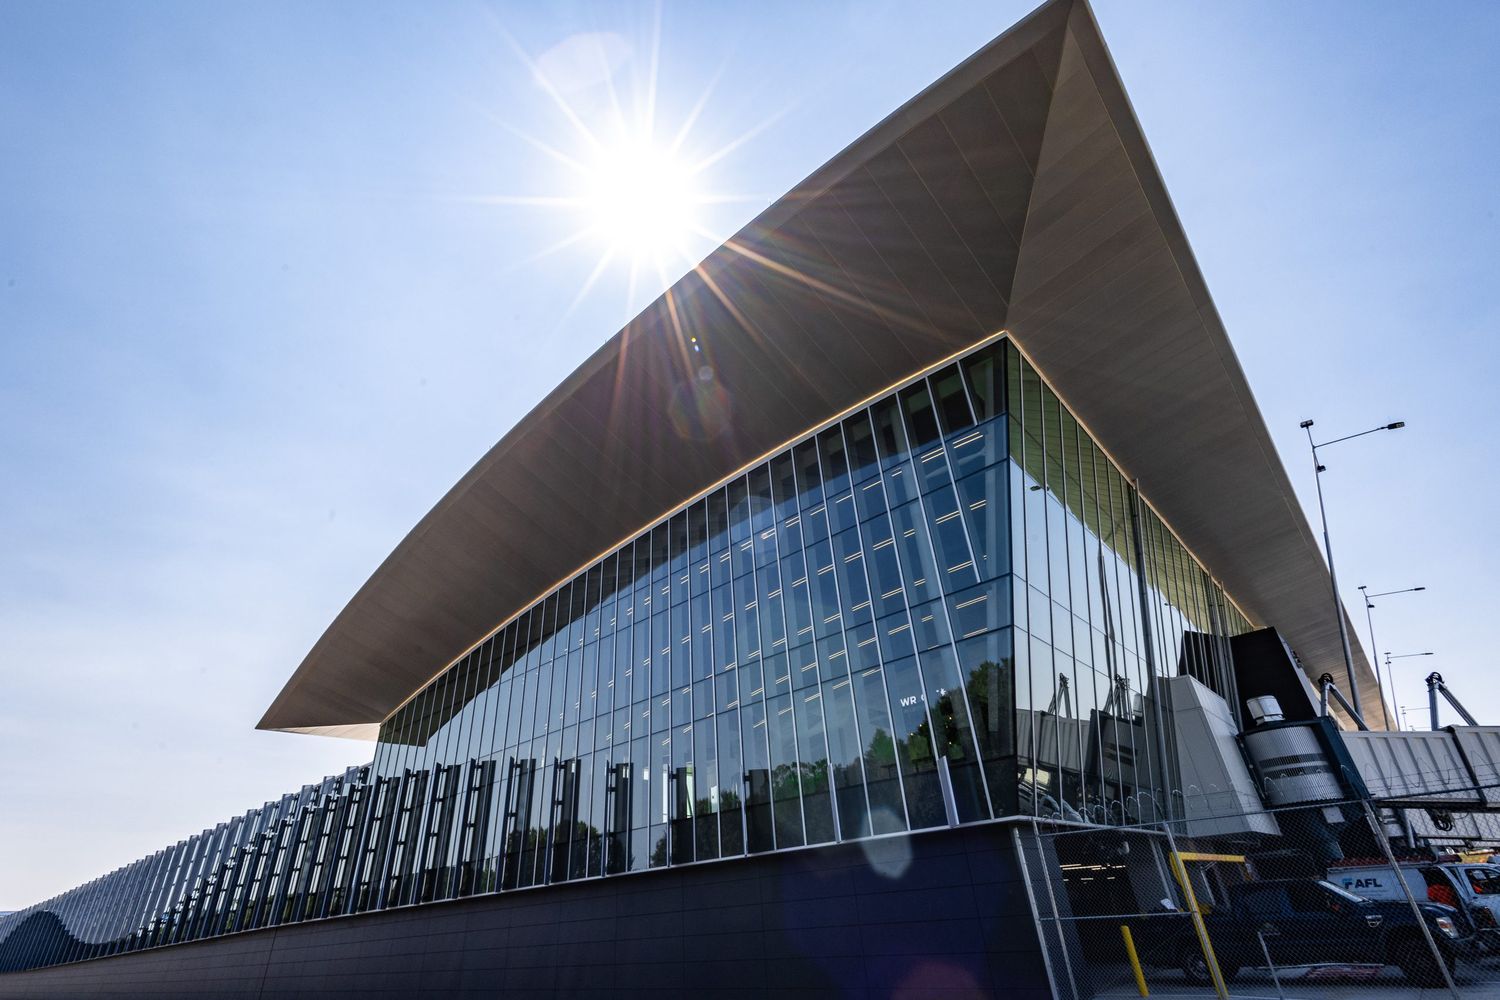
(899, 384)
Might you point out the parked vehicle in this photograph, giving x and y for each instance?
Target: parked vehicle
(1472, 888)
(1317, 923)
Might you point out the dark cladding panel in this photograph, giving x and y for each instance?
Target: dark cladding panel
(870, 212)
(932, 230)
(833, 921)
(997, 163)
(938, 161)
(796, 262)
(786, 305)
(1022, 91)
(884, 302)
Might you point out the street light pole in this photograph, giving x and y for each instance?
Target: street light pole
(1338, 605)
(1370, 620)
(1392, 677)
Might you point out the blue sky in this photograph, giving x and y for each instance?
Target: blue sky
(265, 293)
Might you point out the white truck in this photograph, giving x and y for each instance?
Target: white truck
(1472, 888)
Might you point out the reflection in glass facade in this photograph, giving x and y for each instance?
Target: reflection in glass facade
(946, 602)
(944, 608)
(308, 855)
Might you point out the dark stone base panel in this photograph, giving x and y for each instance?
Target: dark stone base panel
(941, 914)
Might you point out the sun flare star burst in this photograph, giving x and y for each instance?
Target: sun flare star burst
(629, 190)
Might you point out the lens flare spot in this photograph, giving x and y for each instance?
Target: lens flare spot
(700, 408)
(888, 856)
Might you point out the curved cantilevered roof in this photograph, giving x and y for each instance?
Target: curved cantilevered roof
(1015, 193)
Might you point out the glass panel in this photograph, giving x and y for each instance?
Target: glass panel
(739, 511)
(762, 510)
(883, 566)
(974, 449)
(983, 374)
(733, 780)
(757, 786)
(846, 758)
(854, 590)
(919, 569)
(987, 672)
(869, 499)
(785, 777)
(718, 522)
(950, 539)
(823, 589)
(809, 476)
(953, 732)
(921, 420)
(835, 466)
(952, 400)
(980, 609)
(812, 756)
(709, 795)
(859, 438)
(890, 431)
(684, 792)
(876, 733)
(929, 623)
(784, 486)
(662, 798)
(913, 734)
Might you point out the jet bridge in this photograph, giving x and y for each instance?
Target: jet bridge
(1457, 767)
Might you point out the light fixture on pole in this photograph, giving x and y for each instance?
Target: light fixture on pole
(1370, 620)
(1391, 677)
(1338, 606)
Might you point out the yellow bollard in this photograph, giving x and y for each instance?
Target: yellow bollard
(1135, 961)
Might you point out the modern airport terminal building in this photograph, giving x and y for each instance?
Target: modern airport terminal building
(928, 517)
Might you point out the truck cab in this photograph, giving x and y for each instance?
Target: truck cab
(1474, 889)
(1306, 922)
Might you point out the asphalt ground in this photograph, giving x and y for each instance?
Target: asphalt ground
(1475, 979)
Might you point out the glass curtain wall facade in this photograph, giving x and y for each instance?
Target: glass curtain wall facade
(946, 605)
(311, 854)
(1105, 598)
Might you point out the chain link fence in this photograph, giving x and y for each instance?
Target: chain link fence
(1340, 899)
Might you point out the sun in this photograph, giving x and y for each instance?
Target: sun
(640, 202)
(626, 186)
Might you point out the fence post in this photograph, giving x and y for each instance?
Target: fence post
(1385, 845)
(1275, 976)
(1036, 914)
(1047, 869)
(1184, 879)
